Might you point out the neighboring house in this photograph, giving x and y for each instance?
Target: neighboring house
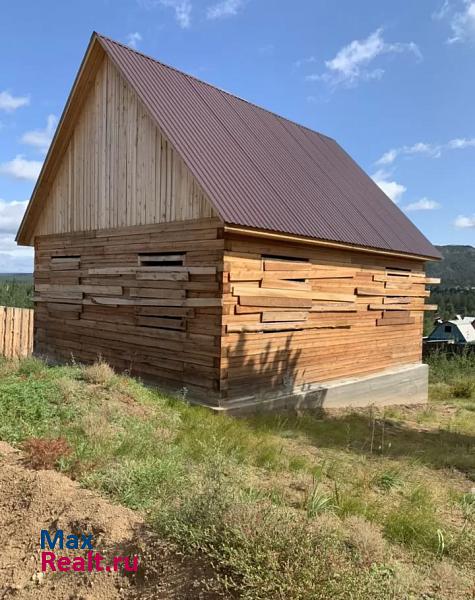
(191, 237)
(458, 331)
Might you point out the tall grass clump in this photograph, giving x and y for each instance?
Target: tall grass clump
(449, 368)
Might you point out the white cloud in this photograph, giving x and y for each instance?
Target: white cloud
(21, 168)
(41, 138)
(388, 157)
(424, 149)
(391, 188)
(352, 63)
(133, 39)
(9, 103)
(431, 150)
(462, 222)
(11, 214)
(442, 12)
(422, 204)
(463, 23)
(224, 9)
(182, 9)
(461, 143)
(460, 15)
(13, 258)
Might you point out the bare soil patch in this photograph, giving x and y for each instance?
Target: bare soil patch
(33, 500)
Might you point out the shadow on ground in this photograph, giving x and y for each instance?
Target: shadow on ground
(372, 436)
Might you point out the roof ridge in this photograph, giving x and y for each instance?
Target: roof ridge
(202, 81)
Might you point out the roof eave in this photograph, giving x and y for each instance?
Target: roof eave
(229, 228)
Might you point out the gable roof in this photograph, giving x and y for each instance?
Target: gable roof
(260, 170)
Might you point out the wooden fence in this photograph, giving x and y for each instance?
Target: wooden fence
(16, 332)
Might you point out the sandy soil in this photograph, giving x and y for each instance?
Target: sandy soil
(34, 500)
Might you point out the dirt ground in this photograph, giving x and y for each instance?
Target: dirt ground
(34, 500)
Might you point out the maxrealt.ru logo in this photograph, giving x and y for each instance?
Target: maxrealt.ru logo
(92, 561)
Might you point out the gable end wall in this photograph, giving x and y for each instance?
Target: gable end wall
(118, 169)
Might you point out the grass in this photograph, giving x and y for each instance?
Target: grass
(361, 505)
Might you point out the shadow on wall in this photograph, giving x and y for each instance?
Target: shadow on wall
(268, 375)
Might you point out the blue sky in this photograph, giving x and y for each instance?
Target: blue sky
(393, 82)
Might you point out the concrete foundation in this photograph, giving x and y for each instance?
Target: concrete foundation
(406, 385)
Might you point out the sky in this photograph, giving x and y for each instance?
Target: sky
(392, 82)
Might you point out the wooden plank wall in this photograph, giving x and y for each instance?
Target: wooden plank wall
(118, 169)
(298, 314)
(16, 332)
(146, 299)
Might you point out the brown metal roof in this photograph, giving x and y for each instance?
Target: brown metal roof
(263, 171)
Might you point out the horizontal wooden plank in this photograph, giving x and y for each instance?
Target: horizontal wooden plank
(285, 284)
(156, 293)
(287, 274)
(203, 302)
(135, 301)
(322, 295)
(46, 298)
(392, 292)
(285, 265)
(242, 290)
(394, 322)
(162, 276)
(274, 301)
(245, 275)
(166, 311)
(86, 289)
(271, 316)
(145, 258)
(332, 307)
(412, 307)
(397, 300)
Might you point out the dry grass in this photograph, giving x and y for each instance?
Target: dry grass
(44, 453)
(362, 505)
(99, 373)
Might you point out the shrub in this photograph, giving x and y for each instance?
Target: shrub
(99, 373)
(44, 453)
(367, 539)
(318, 503)
(414, 526)
(31, 366)
(463, 389)
(388, 480)
(264, 551)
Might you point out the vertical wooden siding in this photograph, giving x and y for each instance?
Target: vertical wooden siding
(16, 332)
(118, 169)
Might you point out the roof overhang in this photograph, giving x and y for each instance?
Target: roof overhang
(283, 237)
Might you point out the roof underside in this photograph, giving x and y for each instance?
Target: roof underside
(262, 171)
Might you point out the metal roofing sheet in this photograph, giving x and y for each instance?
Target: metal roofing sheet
(264, 171)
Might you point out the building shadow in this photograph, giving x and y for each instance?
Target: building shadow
(270, 379)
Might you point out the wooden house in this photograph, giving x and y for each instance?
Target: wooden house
(195, 239)
(460, 330)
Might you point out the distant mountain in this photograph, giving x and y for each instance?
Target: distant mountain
(457, 269)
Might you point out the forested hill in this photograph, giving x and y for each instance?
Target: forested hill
(457, 269)
(456, 293)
